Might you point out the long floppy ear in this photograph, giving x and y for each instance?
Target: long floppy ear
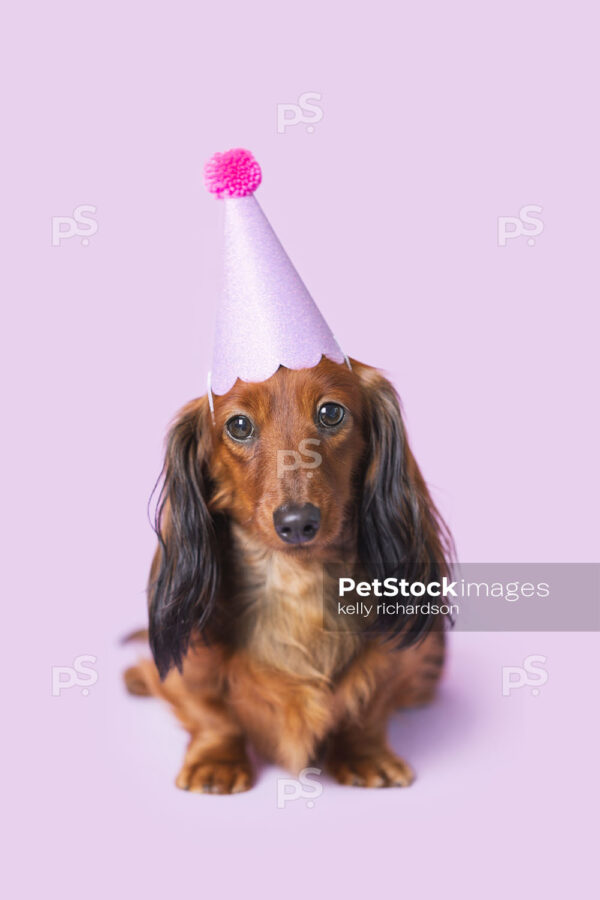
(185, 572)
(401, 533)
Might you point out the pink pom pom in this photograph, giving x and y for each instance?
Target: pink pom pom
(232, 174)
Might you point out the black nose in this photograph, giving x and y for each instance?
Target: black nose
(297, 524)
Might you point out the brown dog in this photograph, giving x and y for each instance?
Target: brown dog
(242, 608)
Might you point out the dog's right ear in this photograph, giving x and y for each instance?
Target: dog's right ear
(184, 574)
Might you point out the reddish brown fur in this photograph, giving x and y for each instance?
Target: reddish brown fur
(283, 409)
(273, 674)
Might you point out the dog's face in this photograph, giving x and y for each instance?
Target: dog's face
(311, 463)
(286, 457)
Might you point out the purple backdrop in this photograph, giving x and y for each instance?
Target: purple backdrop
(424, 124)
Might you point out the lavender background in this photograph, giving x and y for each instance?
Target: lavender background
(437, 119)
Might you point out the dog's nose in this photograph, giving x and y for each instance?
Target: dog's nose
(297, 524)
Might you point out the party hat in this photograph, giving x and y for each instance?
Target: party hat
(266, 318)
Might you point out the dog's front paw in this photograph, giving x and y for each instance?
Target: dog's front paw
(381, 769)
(215, 777)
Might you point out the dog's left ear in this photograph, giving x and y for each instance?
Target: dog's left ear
(185, 572)
(401, 533)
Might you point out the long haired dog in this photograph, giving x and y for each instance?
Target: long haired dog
(242, 613)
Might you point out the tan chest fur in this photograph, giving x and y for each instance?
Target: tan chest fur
(282, 675)
(285, 615)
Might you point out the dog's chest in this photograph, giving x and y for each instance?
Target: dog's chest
(283, 619)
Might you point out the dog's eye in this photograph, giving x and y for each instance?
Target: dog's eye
(331, 414)
(240, 428)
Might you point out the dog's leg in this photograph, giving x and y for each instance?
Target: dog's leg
(358, 754)
(380, 680)
(135, 682)
(216, 761)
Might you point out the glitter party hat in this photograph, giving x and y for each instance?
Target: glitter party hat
(266, 318)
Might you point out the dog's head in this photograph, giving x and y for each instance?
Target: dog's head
(287, 456)
(313, 463)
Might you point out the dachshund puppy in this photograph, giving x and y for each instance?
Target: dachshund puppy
(242, 602)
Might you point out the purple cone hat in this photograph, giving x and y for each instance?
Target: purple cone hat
(266, 318)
